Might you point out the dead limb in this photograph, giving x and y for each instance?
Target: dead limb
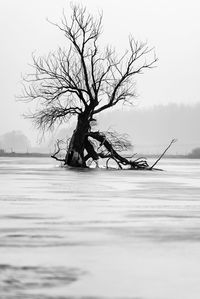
(160, 157)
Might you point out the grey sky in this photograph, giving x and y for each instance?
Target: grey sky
(172, 26)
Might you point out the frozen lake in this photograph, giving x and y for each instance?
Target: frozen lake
(99, 234)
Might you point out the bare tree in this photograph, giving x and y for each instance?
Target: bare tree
(83, 81)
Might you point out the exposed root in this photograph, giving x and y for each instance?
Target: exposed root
(100, 145)
(108, 152)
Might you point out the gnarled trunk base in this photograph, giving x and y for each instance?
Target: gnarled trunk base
(86, 144)
(75, 151)
(81, 149)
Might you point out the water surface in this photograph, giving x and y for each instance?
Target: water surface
(97, 233)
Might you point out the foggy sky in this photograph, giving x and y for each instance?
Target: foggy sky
(172, 27)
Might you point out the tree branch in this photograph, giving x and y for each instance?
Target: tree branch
(160, 157)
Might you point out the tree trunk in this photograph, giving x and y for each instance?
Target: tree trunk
(75, 153)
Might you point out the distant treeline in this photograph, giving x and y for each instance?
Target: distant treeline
(13, 154)
(195, 154)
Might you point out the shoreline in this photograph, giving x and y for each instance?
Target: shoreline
(26, 155)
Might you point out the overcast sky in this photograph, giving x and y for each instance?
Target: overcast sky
(172, 27)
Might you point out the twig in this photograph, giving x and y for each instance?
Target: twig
(57, 151)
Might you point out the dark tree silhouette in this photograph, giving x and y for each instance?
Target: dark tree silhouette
(83, 81)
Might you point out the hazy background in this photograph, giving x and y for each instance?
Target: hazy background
(169, 102)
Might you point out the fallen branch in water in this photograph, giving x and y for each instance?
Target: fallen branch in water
(160, 157)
